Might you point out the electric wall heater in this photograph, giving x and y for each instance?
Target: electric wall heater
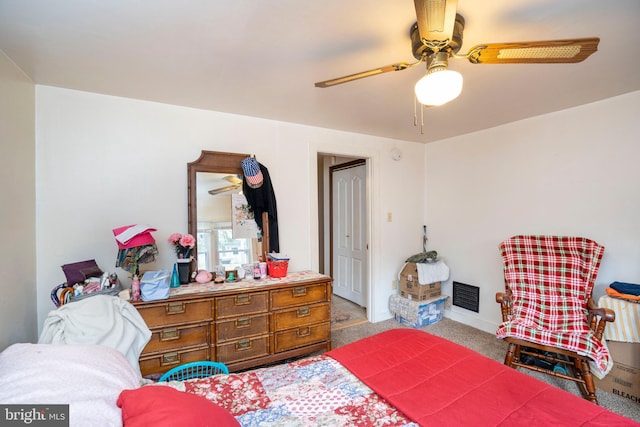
(466, 296)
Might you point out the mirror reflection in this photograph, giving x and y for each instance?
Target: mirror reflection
(219, 240)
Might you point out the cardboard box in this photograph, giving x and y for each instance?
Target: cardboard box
(624, 378)
(428, 312)
(410, 287)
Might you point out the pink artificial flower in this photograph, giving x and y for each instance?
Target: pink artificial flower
(175, 238)
(188, 241)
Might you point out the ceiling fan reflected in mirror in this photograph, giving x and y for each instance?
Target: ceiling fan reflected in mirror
(437, 36)
(235, 183)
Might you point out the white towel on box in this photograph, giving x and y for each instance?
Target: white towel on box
(432, 272)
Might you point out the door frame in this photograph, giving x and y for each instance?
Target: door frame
(346, 165)
(318, 153)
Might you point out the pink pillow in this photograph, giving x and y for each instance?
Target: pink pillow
(164, 406)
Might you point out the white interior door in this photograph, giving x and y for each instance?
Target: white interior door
(349, 233)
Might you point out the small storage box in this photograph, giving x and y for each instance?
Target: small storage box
(417, 314)
(417, 292)
(277, 268)
(410, 287)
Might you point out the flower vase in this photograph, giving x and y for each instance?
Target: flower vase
(184, 267)
(175, 277)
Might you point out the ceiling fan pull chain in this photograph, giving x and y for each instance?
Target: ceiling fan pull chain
(421, 120)
(415, 114)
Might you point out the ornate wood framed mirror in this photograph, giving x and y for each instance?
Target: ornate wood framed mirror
(212, 178)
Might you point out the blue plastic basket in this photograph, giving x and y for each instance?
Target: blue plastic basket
(194, 370)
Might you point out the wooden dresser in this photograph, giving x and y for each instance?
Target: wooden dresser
(243, 324)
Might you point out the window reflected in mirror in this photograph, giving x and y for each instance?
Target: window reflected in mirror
(216, 246)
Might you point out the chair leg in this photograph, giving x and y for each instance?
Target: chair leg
(511, 352)
(588, 381)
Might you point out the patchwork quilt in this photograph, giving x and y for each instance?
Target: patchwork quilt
(315, 391)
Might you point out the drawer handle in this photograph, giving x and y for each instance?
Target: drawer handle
(303, 311)
(175, 307)
(299, 292)
(243, 321)
(170, 358)
(243, 299)
(304, 332)
(169, 334)
(243, 345)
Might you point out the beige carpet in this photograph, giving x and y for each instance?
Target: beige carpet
(344, 313)
(486, 344)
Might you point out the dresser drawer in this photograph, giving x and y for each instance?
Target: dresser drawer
(300, 316)
(177, 337)
(299, 337)
(241, 304)
(243, 349)
(175, 312)
(298, 295)
(161, 363)
(243, 326)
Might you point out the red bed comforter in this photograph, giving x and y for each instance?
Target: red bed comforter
(437, 382)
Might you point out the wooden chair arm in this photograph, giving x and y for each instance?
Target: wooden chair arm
(598, 318)
(504, 299)
(606, 314)
(500, 297)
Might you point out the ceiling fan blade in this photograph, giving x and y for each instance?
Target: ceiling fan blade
(393, 67)
(224, 189)
(436, 19)
(234, 179)
(552, 51)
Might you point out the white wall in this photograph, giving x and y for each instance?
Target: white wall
(105, 161)
(17, 206)
(574, 172)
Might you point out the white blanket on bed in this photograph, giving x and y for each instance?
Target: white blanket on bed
(102, 319)
(87, 377)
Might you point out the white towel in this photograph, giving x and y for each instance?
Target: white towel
(432, 272)
(100, 319)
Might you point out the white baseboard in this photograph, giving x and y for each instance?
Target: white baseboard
(380, 317)
(464, 318)
(471, 320)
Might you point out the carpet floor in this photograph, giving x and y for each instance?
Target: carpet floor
(344, 313)
(478, 340)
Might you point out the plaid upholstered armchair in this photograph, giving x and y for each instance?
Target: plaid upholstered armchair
(549, 319)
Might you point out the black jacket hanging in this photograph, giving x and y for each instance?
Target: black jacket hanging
(261, 200)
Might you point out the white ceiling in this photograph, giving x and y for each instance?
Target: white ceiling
(261, 58)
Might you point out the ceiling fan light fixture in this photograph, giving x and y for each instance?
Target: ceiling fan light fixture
(438, 87)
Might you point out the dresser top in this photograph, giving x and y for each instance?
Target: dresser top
(290, 278)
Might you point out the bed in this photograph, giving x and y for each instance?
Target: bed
(401, 377)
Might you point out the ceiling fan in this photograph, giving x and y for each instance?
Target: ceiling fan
(236, 183)
(437, 36)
